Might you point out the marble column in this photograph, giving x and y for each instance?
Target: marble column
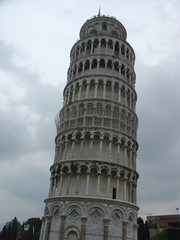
(60, 183)
(117, 187)
(124, 231)
(61, 231)
(98, 183)
(125, 190)
(77, 183)
(42, 228)
(79, 93)
(87, 184)
(48, 226)
(106, 228)
(87, 90)
(108, 185)
(95, 91)
(83, 228)
(135, 229)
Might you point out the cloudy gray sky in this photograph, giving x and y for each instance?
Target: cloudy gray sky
(36, 37)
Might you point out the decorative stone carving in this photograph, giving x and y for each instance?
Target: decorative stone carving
(96, 215)
(74, 214)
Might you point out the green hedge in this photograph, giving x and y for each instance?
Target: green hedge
(168, 234)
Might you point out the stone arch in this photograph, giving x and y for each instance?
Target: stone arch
(93, 32)
(116, 217)
(99, 109)
(94, 63)
(90, 109)
(72, 233)
(116, 66)
(122, 69)
(116, 49)
(103, 43)
(80, 67)
(74, 212)
(123, 49)
(114, 172)
(106, 137)
(108, 89)
(109, 64)
(102, 63)
(83, 169)
(100, 88)
(93, 207)
(107, 110)
(56, 211)
(81, 110)
(104, 170)
(115, 140)
(104, 26)
(93, 169)
(115, 112)
(76, 91)
(110, 44)
(86, 66)
(127, 53)
(46, 211)
(73, 112)
(95, 43)
(88, 47)
(114, 33)
(82, 46)
(97, 135)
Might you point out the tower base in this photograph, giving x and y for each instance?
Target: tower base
(81, 218)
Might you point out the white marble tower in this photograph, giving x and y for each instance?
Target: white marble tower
(92, 193)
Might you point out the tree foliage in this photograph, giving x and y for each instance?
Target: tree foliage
(168, 234)
(143, 230)
(29, 230)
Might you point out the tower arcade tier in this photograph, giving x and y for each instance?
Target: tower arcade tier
(93, 184)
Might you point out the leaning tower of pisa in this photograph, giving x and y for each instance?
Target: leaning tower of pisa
(92, 194)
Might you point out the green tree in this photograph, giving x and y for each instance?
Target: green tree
(3, 235)
(143, 230)
(146, 231)
(140, 229)
(31, 229)
(14, 229)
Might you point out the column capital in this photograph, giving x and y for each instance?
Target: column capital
(63, 218)
(106, 221)
(84, 220)
(48, 218)
(135, 226)
(124, 224)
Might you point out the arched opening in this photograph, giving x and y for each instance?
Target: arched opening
(88, 47)
(123, 69)
(104, 26)
(114, 33)
(110, 44)
(94, 63)
(122, 49)
(102, 63)
(80, 67)
(86, 65)
(116, 49)
(103, 43)
(109, 64)
(93, 32)
(116, 66)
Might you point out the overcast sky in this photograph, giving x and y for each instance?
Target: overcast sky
(36, 37)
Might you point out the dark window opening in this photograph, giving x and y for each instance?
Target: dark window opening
(114, 193)
(104, 26)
